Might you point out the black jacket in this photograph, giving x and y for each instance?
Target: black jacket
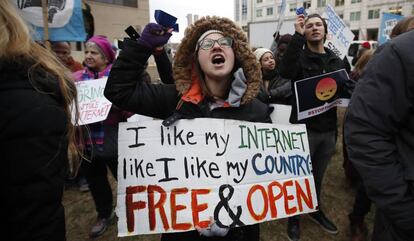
(379, 133)
(33, 147)
(126, 90)
(300, 63)
(278, 91)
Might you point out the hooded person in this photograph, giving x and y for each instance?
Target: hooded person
(216, 75)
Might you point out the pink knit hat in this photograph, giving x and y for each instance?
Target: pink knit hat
(106, 47)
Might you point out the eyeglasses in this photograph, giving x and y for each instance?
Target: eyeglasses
(208, 43)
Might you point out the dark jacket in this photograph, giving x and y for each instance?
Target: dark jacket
(300, 63)
(379, 132)
(278, 91)
(33, 147)
(126, 90)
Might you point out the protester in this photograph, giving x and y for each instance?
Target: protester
(404, 25)
(274, 89)
(362, 204)
(304, 58)
(282, 45)
(216, 75)
(379, 128)
(361, 49)
(62, 50)
(101, 144)
(36, 131)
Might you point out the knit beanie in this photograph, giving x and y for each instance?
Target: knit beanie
(105, 47)
(260, 52)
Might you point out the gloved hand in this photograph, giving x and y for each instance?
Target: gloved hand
(154, 35)
(213, 230)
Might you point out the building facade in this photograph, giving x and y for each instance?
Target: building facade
(362, 16)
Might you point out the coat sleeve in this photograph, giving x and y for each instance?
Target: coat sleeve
(379, 106)
(164, 67)
(127, 89)
(290, 66)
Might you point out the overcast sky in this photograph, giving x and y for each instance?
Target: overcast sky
(180, 9)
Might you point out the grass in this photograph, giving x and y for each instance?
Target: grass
(337, 199)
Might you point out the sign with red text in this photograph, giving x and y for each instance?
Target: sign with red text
(172, 179)
(318, 94)
(93, 106)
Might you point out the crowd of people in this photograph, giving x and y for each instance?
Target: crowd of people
(217, 75)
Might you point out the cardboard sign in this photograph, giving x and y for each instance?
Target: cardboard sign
(93, 106)
(339, 36)
(171, 179)
(318, 94)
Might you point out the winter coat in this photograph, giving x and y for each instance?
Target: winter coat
(33, 147)
(126, 90)
(299, 63)
(278, 91)
(379, 132)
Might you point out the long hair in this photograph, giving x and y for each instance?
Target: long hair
(363, 60)
(17, 45)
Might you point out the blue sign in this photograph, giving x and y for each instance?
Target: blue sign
(388, 21)
(65, 19)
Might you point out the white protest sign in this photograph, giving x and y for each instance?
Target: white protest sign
(339, 36)
(93, 106)
(280, 114)
(171, 179)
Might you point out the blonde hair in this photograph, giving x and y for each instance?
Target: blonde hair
(16, 45)
(363, 60)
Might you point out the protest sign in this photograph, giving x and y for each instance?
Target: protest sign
(339, 36)
(65, 20)
(171, 179)
(388, 21)
(318, 94)
(93, 106)
(280, 113)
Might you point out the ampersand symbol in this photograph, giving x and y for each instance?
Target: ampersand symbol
(224, 203)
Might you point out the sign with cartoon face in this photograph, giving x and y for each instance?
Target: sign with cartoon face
(318, 94)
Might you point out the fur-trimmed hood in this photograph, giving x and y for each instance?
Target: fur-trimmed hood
(184, 58)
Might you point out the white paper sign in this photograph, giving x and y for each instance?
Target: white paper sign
(171, 179)
(93, 106)
(339, 35)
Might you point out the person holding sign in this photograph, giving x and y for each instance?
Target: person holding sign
(101, 145)
(306, 57)
(36, 132)
(274, 88)
(216, 75)
(379, 133)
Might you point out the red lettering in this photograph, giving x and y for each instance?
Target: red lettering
(152, 206)
(175, 208)
(197, 208)
(131, 205)
(288, 197)
(301, 196)
(258, 217)
(273, 198)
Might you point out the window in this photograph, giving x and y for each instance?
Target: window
(373, 13)
(306, 4)
(339, 2)
(395, 10)
(355, 16)
(259, 1)
(321, 3)
(412, 10)
(244, 9)
(292, 7)
(259, 13)
(341, 15)
(269, 11)
(127, 3)
(237, 9)
(355, 1)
